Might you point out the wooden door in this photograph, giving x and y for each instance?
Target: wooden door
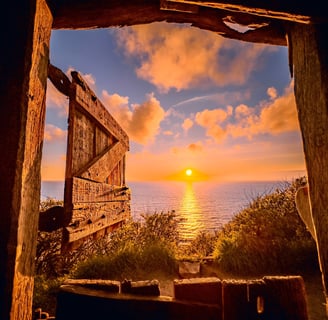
(96, 199)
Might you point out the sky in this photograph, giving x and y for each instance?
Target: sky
(187, 98)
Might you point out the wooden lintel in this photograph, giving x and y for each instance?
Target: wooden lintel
(105, 14)
(281, 11)
(180, 7)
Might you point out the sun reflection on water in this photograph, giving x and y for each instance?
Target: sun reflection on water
(190, 212)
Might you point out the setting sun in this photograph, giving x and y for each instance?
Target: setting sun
(189, 172)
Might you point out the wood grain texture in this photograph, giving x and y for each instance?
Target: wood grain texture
(22, 92)
(96, 197)
(91, 191)
(282, 10)
(310, 60)
(101, 167)
(95, 109)
(89, 219)
(104, 14)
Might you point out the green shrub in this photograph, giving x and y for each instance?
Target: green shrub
(128, 262)
(267, 237)
(135, 249)
(200, 247)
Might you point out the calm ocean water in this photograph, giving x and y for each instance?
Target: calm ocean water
(203, 206)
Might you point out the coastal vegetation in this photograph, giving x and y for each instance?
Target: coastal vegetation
(266, 237)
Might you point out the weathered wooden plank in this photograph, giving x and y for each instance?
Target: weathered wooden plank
(82, 212)
(277, 10)
(95, 197)
(310, 60)
(78, 231)
(90, 191)
(101, 166)
(104, 14)
(82, 132)
(86, 142)
(180, 7)
(93, 106)
(117, 175)
(25, 37)
(102, 140)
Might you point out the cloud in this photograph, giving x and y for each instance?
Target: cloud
(53, 133)
(252, 160)
(56, 100)
(88, 77)
(175, 56)
(140, 121)
(275, 116)
(187, 124)
(212, 121)
(242, 111)
(195, 147)
(192, 148)
(272, 92)
(168, 133)
(278, 115)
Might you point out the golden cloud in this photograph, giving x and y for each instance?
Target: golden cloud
(53, 133)
(140, 121)
(187, 124)
(55, 99)
(174, 56)
(277, 115)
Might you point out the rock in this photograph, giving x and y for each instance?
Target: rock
(189, 269)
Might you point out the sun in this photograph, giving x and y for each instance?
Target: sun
(189, 172)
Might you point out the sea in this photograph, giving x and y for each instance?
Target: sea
(202, 206)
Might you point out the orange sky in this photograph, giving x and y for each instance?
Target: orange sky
(187, 99)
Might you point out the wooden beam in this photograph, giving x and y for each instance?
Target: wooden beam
(105, 14)
(24, 69)
(309, 52)
(282, 10)
(180, 7)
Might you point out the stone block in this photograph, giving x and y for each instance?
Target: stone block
(189, 269)
(204, 290)
(144, 288)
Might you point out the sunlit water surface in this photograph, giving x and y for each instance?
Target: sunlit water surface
(202, 206)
